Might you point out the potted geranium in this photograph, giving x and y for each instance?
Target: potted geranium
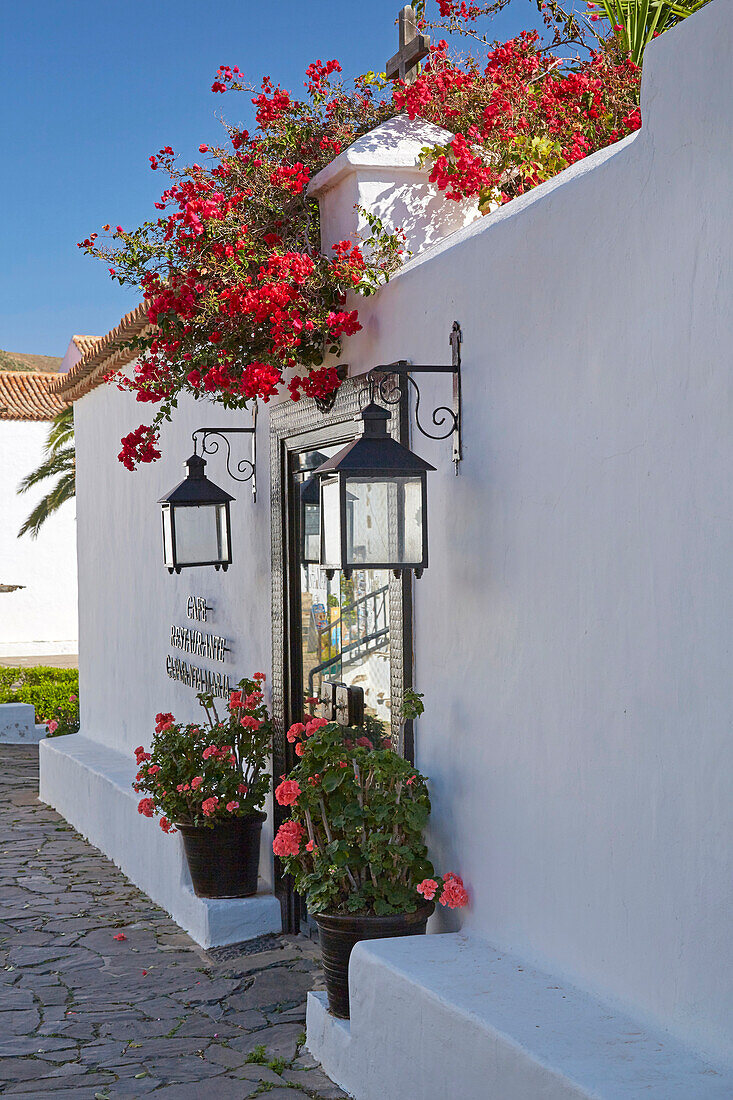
(354, 844)
(209, 782)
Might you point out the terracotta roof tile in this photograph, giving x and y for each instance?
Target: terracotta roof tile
(101, 357)
(28, 395)
(85, 343)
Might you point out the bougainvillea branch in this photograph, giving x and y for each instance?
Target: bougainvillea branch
(241, 302)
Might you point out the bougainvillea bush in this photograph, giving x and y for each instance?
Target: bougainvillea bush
(241, 301)
(200, 774)
(354, 840)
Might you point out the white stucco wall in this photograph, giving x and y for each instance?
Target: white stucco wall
(573, 633)
(40, 618)
(574, 630)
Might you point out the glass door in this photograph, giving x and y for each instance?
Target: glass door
(343, 625)
(356, 632)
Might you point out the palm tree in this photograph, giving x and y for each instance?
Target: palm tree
(59, 463)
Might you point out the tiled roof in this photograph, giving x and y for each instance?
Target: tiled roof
(85, 343)
(27, 395)
(101, 357)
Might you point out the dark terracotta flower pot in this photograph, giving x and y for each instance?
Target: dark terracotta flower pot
(224, 859)
(338, 933)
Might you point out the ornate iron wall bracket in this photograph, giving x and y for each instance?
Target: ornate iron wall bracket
(391, 380)
(246, 468)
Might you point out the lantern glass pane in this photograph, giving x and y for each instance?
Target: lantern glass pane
(167, 537)
(385, 521)
(331, 523)
(311, 533)
(201, 534)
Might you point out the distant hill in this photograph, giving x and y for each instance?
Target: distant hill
(18, 360)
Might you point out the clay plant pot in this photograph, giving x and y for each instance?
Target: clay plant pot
(224, 858)
(339, 932)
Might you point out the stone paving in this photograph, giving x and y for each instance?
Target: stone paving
(86, 1015)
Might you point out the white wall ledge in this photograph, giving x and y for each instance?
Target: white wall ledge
(451, 1016)
(90, 785)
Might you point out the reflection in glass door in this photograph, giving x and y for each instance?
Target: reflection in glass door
(344, 623)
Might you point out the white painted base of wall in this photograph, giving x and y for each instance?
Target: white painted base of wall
(449, 1016)
(39, 649)
(18, 724)
(90, 785)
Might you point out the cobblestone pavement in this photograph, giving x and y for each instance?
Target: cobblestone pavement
(85, 1015)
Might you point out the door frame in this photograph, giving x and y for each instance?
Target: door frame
(297, 426)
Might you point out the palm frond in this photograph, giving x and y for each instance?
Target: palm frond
(59, 463)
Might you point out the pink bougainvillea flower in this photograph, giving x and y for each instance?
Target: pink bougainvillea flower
(288, 793)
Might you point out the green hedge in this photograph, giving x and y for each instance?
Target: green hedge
(46, 688)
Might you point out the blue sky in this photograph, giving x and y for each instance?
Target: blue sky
(90, 89)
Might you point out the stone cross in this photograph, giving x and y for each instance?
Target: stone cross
(413, 47)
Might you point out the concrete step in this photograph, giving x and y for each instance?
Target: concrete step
(91, 786)
(449, 1016)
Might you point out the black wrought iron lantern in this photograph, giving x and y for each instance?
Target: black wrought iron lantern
(196, 521)
(374, 502)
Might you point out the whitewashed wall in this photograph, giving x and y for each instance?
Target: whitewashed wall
(40, 618)
(128, 600)
(574, 630)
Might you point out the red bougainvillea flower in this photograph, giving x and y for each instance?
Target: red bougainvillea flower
(288, 792)
(288, 839)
